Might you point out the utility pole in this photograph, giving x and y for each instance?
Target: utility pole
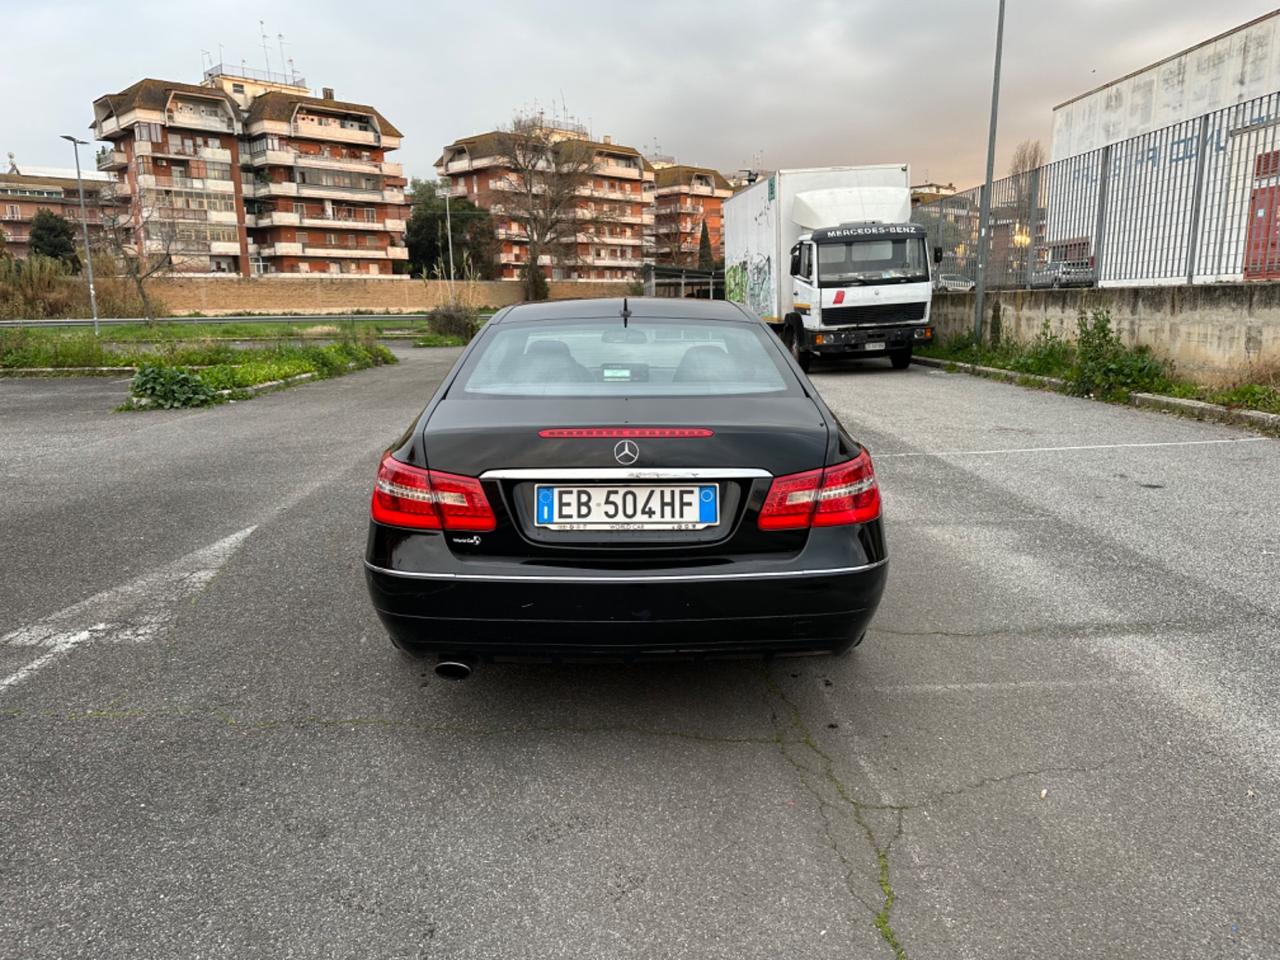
(84, 223)
(984, 214)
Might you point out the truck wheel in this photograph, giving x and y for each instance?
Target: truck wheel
(901, 359)
(793, 340)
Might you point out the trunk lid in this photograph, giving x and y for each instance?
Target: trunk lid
(751, 435)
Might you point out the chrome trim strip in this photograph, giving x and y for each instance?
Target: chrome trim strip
(625, 473)
(654, 578)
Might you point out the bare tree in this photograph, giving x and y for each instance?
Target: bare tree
(1027, 155)
(140, 241)
(546, 175)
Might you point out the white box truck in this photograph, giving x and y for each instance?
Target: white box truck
(828, 257)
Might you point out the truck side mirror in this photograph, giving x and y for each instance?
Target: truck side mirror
(937, 254)
(795, 260)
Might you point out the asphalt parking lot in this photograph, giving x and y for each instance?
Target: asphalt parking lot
(1061, 739)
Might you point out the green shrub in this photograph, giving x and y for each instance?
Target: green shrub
(1105, 368)
(453, 320)
(171, 387)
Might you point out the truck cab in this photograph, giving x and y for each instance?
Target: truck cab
(859, 290)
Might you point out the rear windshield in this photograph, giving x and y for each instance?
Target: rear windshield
(602, 358)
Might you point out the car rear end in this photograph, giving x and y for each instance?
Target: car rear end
(620, 520)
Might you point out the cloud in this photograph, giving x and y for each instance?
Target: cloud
(716, 83)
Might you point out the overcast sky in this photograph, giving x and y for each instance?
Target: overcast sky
(785, 83)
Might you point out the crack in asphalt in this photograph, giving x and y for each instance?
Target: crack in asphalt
(858, 811)
(983, 782)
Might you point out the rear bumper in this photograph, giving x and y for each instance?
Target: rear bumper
(589, 616)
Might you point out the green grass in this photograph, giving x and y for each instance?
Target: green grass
(1097, 364)
(439, 340)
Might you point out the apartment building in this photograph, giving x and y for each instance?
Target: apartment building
(614, 206)
(686, 198)
(247, 173)
(23, 192)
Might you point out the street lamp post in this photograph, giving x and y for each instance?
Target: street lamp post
(84, 223)
(448, 228)
(984, 214)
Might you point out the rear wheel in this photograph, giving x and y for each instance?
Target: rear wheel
(901, 359)
(794, 339)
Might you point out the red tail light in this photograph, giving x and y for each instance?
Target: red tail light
(843, 494)
(405, 496)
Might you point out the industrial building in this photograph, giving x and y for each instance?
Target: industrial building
(1239, 65)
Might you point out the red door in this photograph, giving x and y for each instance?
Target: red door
(1262, 245)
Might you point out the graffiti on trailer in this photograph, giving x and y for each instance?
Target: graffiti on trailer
(751, 284)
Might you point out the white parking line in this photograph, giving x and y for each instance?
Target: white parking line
(131, 612)
(996, 686)
(1087, 446)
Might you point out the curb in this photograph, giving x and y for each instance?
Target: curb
(993, 373)
(1258, 420)
(270, 385)
(65, 371)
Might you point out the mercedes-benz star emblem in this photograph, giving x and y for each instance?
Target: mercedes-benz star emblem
(626, 452)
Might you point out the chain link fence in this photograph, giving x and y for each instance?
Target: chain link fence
(1194, 202)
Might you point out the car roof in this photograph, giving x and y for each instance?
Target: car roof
(659, 308)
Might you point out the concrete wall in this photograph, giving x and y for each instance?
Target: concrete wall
(297, 294)
(1212, 331)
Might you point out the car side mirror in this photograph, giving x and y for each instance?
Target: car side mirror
(937, 254)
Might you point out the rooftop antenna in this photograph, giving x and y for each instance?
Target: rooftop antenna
(293, 72)
(219, 54)
(281, 41)
(266, 53)
(626, 313)
(206, 60)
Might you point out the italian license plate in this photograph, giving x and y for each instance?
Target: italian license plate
(666, 507)
(873, 345)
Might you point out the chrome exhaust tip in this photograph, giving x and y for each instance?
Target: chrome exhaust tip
(454, 668)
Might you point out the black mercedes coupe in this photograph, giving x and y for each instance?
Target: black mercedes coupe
(624, 479)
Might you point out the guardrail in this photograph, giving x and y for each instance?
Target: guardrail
(295, 318)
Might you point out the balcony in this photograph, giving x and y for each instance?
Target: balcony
(342, 222)
(330, 192)
(224, 248)
(332, 131)
(284, 188)
(112, 160)
(227, 217)
(393, 196)
(398, 253)
(348, 251)
(272, 158)
(609, 169)
(278, 218)
(151, 181)
(394, 224)
(282, 250)
(193, 120)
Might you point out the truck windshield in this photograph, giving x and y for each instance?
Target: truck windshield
(872, 261)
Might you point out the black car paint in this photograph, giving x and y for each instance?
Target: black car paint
(517, 592)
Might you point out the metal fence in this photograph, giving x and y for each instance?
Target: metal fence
(1194, 202)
